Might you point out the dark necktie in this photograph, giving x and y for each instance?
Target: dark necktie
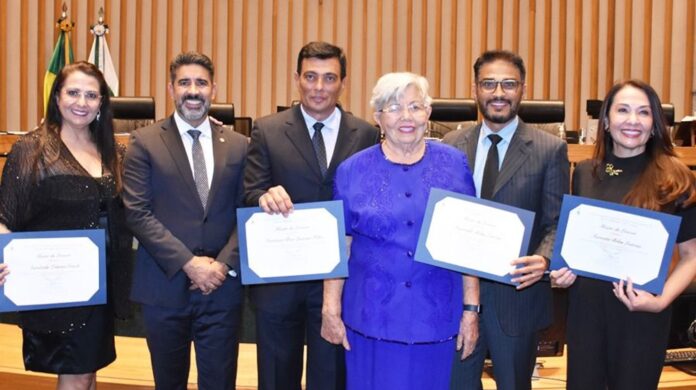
(200, 173)
(490, 170)
(319, 148)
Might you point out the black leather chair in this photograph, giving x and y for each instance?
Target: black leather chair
(283, 108)
(542, 111)
(242, 125)
(224, 112)
(132, 112)
(547, 115)
(450, 114)
(593, 106)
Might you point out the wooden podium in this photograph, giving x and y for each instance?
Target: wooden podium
(132, 370)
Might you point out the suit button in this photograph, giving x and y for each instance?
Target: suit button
(407, 284)
(408, 194)
(409, 223)
(405, 169)
(409, 253)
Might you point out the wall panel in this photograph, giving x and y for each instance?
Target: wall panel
(574, 49)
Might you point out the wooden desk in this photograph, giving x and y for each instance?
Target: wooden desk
(577, 153)
(132, 369)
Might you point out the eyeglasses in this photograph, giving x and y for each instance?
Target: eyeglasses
(74, 94)
(414, 109)
(508, 85)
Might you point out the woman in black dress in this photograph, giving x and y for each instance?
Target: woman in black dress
(617, 334)
(66, 175)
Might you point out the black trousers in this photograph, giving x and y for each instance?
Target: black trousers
(610, 347)
(281, 332)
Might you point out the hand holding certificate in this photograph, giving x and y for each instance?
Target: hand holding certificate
(308, 244)
(613, 242)
(53, 269)
(473, 236)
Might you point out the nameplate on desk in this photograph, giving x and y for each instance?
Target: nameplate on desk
(308, 244)
(612, 242)
(474, 236)
(53, 269)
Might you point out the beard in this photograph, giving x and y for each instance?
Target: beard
(196, 114)
(499, 117)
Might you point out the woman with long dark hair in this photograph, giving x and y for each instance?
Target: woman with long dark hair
(66, 175)
(617, 334)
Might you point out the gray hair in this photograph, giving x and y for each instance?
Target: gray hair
(392, 86)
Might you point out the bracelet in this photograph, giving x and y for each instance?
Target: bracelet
(474, 308)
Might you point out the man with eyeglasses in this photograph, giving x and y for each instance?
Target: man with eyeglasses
(293, 157)
(518, 165)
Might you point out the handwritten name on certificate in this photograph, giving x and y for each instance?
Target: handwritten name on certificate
(53, 269)
(309, 244)
(473, 236)
(610, 241)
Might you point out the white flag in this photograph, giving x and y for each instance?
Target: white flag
(101, 57)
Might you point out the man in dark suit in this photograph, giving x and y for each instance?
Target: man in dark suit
(293, 157)
(182, 184)
(529, 169)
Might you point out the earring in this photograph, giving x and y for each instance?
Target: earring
(98, 115)
(606, 126)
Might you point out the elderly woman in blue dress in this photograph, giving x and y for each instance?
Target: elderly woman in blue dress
(399, 320)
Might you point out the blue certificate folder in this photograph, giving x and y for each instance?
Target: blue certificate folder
(95, 235)
(249, 276)
(570, 205)
(423, 255)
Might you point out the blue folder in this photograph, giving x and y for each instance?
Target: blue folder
(95, 235)
(669, 222)
(250, 277)
(423, 255)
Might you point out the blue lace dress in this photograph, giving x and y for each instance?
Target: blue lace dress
(390, 300)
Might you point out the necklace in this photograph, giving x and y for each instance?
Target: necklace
(611, 171)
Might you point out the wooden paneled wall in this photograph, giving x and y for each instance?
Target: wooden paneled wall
(574, 49)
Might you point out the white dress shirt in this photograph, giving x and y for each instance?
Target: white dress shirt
(484, 144)
(206, 139)
(329, 131)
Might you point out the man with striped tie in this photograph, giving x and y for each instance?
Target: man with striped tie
(182, 184)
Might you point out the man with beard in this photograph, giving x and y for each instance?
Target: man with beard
(517, 165)
(182, 184)
(293, 156)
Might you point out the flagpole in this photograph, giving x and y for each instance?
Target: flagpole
(100, 55)
(62, 54)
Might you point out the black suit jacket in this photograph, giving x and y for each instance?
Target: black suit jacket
(281, 153)
(165, 214)
(534, 176)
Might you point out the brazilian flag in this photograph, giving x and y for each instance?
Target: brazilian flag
(62, 55)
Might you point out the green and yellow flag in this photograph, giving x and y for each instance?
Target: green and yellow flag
(62, 54)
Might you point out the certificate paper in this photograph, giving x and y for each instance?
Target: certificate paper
(610, 241)
(53, 269)
(309, 244)
(473, 236)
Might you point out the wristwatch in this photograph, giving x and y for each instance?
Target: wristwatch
(474, 308)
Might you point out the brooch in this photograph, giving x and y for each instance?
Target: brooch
(609, 169)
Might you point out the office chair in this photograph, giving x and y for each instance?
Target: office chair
(450, 114)
(132, 112)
